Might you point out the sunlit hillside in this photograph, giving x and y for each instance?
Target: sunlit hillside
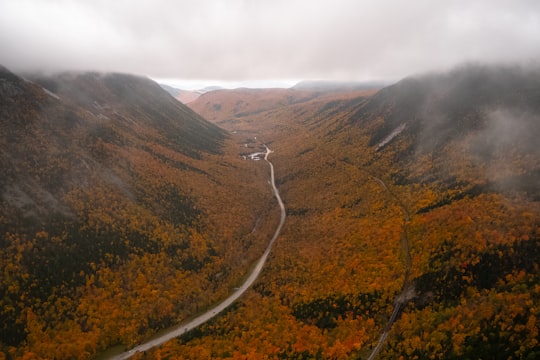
(429, 186)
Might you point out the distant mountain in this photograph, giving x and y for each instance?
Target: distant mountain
(171, 90)
(230, 104)
(210, 88)
(229, 107)
(184, 96)
(323, 85)
(112, 220)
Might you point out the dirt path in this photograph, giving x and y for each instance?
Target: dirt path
(407, 289)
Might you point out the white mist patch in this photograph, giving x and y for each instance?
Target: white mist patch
(507, 147)
(391, 136)
(50, 93)
(33, 200)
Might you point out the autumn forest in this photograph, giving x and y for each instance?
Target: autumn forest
(124, 212)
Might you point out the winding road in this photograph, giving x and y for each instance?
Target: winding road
(201, 319)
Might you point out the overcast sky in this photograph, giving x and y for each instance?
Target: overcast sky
(242, 40)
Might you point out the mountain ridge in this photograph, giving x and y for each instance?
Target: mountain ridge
(110, 183)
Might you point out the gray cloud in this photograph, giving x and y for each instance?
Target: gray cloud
(242, 39)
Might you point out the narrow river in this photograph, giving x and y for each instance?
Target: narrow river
(201, 319)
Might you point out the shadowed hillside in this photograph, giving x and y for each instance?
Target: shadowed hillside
(122, 213)
(483, 118)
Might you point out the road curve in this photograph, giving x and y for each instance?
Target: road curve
(201, 319)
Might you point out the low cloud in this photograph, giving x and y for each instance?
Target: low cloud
(508, 148)
(243, 40)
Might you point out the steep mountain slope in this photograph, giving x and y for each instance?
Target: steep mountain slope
(430, 186)
(122, 212)
(477, 117)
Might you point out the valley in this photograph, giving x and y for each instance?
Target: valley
(412, 231)
(339, 264)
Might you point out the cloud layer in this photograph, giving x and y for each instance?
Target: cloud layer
(254, 39)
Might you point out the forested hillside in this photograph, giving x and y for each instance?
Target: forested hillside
(431, 184)
(122, 212)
